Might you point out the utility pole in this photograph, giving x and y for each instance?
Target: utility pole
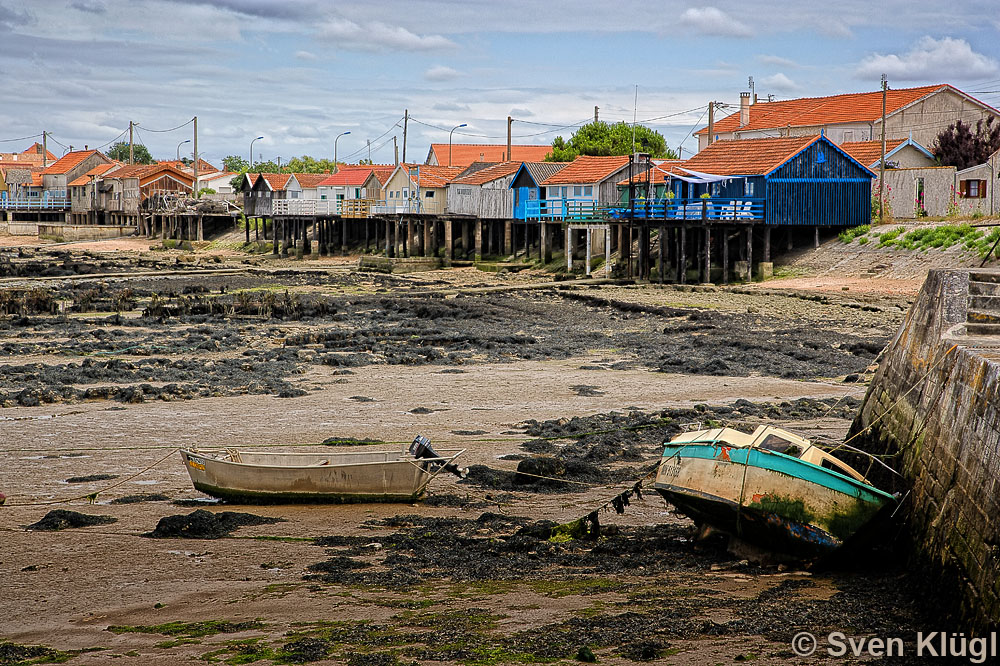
(711, 122)
(881, 164)
(395, 151)
(369, 150)
(595, 113)
(45, 149)
(196, 188)
(510, 121)
(131, 154)
(406, 120)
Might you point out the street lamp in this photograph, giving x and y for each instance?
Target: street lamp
(251, 151)
(179, 148)
(449, 140)
(335, 168)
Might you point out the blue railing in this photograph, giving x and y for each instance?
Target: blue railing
(34, 203)
(560, 209)
(716, 209)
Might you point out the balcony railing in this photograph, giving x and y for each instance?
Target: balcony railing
(715, 209)
(35, 203)
(560, 209)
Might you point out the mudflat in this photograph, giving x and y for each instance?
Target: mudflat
(112, 360)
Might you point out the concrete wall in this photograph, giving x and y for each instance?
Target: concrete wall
(22, 228)
(901, 190)
(934, 405)
(75, 232)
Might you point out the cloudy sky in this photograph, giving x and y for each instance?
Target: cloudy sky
(300, 72)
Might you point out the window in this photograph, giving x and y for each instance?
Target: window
(406, 193)
(972, 189)
(463, 190)
(429, 194)
(748, 188)
(357, 192)
(577, 191)
(780, 445)
(848, 136)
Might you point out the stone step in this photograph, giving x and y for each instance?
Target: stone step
(981, 317)
(978, 288)
(983, 276)
(982, 329)
(987, 302)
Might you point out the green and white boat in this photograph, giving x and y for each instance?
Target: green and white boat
(770, 488)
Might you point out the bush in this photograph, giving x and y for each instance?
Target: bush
(848, 235)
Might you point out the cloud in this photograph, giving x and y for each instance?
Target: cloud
(521, 112)
(13, 18)
(937, 59)
(450, 106)
(378, 36)
(777, 61)
(441, 73)
(780, 82)
(306, 55)
(712, 21)
(287, 9)
(89, 6)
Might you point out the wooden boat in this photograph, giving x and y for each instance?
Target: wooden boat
(771, 489)
(334, 477)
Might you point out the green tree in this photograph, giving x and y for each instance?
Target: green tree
(119, 151)
(235, 163)
(258, 167)
(600, 138)
(960, 147)
(307, 164)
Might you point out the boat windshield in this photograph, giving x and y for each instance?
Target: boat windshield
(779, 444)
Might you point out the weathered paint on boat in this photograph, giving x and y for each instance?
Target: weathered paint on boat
(767, 498)
(255, 476)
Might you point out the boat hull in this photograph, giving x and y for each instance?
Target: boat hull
(771, 500)
(315, 478)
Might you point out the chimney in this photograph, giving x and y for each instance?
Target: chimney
(744, 109)
(86, 147)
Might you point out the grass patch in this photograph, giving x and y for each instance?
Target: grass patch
(12, 654)
(189, 629)
(166, 645)
(971, 239)
(848, 235)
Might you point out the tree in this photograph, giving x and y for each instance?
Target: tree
(959, 147)
(119, 151)
(307, 164)
(259, 167)
(235, 163)
(600, 138)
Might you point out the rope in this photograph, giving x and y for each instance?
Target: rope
(96, 492)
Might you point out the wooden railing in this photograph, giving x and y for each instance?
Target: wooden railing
(716, 209)
(35, 203)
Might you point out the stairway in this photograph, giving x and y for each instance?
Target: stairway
(983, 314)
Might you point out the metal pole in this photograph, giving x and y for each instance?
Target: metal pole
(335, 167)
(449, 140)
(131, 157)
(179, 148)
(881, 165)
(510, 121)
(251, 150)
(196, 188)
(406, 121)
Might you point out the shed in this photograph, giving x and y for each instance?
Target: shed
(485, 193)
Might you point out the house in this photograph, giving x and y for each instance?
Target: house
(345, 184)
(82, 193)
(260, 190)
(918, 113)
(484, 193)
(220, 181)
(779, 181)
(417, 188)
(57, 176)
(464, 154)
(899, 153)
(526, 184)
(121, 191)
(652, 183)
(15, 178)
(309, 182)
(35, 155)
(582, 184)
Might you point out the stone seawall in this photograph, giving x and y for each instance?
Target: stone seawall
(934, 408)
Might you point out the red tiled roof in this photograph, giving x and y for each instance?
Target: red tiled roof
(146, 172)
(489, 173)
(37, 149)
(817, 111)
(748, 157)
(587, 169)
(869, 152)
(383, 174)
(277, 181)
(65, 163)
(464, 154)
(347, 177)
(36, 179)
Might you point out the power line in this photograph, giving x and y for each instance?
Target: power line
(365, 147)
(23, 138)
(171, 129)
(112, 140)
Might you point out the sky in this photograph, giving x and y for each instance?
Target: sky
(300, 73)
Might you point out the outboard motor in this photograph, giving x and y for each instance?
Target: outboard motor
(421, 448)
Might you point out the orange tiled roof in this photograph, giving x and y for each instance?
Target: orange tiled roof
(146, 172)
(277, 181)
(587, 169)
(383, 173)
(817, 111)
(37, 149)
(659, 170)
(464, 154)
(65, 163)
(96, 171)
(748, 157)
(430, 175)
(36, 179)
(311, 179)
(489, 173)
(347, 177)
(869, 152)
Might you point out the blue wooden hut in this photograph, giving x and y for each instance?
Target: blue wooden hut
(776, 181)
(527, 183)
